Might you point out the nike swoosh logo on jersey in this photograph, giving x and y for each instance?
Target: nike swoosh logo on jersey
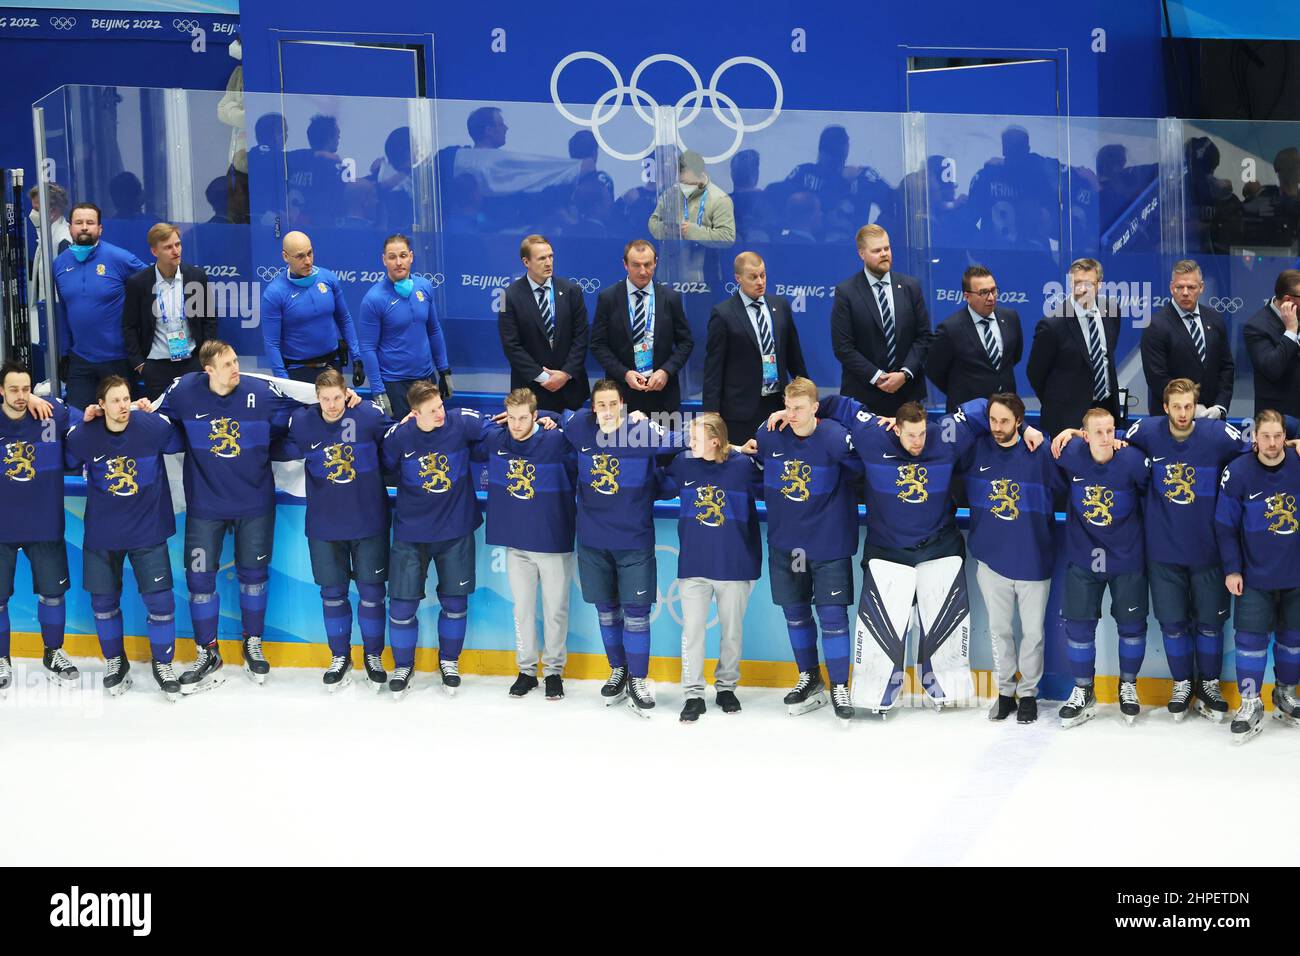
(503, 453)
(295, 295)
(394, 302)
(315, 446)
(778, 454)
(1158, 459)
(1076, 479)
(985, 467)
(99, 458)
(587, 449)
(463, 583)
(157, 579)
(1256, 495)
(834, 593)
(888, 456)
(408, 454)
(1133, 609)
(63, 581)
(197, 415)
(689, 483)
(640, 593)
(261, 557)
(379, 570)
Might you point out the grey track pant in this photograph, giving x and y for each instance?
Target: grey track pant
(696, 596)
(1003, 597)
(526, 570)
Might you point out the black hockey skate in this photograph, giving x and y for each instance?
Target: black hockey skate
(1180, 699)
(639, 700)
(6, 676)
(339, 674)
(255, 664)
(1208, 702)
(1128, 701)
(59, 669)
(117, 676)
(206, 672)
(808, 694)
(375, 673)
(1286, 706)
(401, 681)
(1080, 708)
(614, 689)
(164, 675)
(1248, 721)
(841, 700)
(450, 671)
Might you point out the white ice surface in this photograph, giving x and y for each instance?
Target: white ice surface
(286, 774)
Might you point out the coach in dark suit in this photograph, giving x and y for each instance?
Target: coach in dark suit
(640, 336)
(1273, 344)
(166, 314)
(880, 329)
(1188, 339)
(975, 350)
(738, 384)
(544, 332)
(1072, 360)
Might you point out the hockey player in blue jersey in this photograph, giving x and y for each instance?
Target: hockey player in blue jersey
(1104, 548)
(306, 325)
(229, 424)
(1010, 489)
(812, 532)
(434, 521)
(1258, 532)
(32, 479)
(719, 555)
(128, 515)
(346, 522)
(616, 493)
(532, 474)
(398, 328)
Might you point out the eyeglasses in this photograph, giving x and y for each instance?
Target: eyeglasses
(986, 293)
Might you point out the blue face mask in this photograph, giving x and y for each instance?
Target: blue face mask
(303, 281)
(82, 252)
(404, 287)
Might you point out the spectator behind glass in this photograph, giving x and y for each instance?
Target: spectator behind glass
(1214, 215)
(1271, 214)
(753, 214)
(127, 193)
(315, 188)
(266, 169)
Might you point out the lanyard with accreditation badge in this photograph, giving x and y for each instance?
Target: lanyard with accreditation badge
(686, 207)
(643, 351)
(178, 340)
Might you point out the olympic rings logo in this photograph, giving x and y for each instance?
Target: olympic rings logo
(610, 102)
(435, 278)
(63, 23)
(1226, 304)
(267, 273)
(585, 284)
(186, 26)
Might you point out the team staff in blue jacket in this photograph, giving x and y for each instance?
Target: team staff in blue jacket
(91, 278)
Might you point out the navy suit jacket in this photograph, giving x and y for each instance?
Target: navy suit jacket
(523, 339)
(1276, 361)
(858, 340)
(611, 344)
(1168, 353)
(1061, 372)
(733, 364)
(959, 365)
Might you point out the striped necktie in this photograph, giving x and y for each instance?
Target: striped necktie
(1097, 356)
(887, 320)
(1198, 339)
(766, 344)
(990, 343)
(548, 320)
(638, 318)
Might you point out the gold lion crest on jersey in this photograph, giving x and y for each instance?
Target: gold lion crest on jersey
(1005, 497)
(433, 469)
(709, 500)
(20, 461)
(223, 433)
(1180, 483)
(911, 483)
(119, 477)
(339, 467)
(604, 474)
(520, 474)
(796, 476)
(1098, 500)
(1280, 512)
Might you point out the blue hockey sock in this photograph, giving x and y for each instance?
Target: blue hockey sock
(453, 616)
(1209, 652)
(403, 630)
(52, 615)
(1178, 650)
(108, 623)
(636, 639)
(337, 608)
(371, 617)
(1286, 657)
(252, 598)
(1132, 648)
(1081, 650)
(1252, 655)
(610, 619)
(205, 605)
(834, 620)
(803, 635)
(161, 606)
